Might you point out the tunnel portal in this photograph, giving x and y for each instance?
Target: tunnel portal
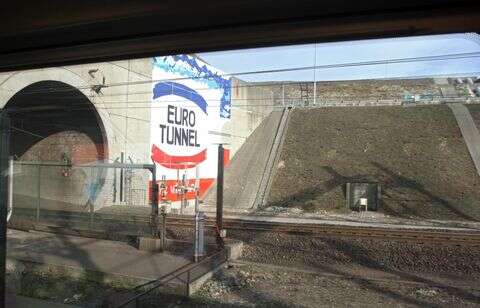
(55, 123)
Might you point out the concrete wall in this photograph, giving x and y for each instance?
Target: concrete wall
(123, 106)
(251, 103)
(124, 113)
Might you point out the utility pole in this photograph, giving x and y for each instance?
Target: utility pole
(220, 188)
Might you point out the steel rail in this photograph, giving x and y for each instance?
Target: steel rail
(443, 237)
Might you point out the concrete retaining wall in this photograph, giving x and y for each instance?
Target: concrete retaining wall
(123, 107)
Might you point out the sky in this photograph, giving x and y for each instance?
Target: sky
(287, 57)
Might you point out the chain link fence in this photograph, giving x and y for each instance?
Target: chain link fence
(101, 198)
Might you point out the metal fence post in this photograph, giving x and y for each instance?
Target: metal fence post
(39, 173)
(90, 198)
(154, 192)
(4, 152)
(10, 188)
(199, 236)
(163, 230)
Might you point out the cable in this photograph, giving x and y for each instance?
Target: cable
(125, 68)
(266, 97)
(326, 66)
(267, 85)
(320, 100)
(27, 132)
(259, 85)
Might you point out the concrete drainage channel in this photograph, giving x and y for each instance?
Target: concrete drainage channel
(248, 175)
(273, 157)
(183, 281)
(116, 269)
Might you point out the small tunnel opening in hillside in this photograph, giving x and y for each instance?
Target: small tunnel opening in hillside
(55, 124)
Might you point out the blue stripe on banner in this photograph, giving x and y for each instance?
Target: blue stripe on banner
(191, 68)
(172, 88)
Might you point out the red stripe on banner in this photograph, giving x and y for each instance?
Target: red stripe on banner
(177, 162)
(226, 157)
(172, 196)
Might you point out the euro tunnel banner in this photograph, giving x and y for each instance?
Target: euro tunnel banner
(191, 104)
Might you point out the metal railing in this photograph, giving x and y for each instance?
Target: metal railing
(185, 274)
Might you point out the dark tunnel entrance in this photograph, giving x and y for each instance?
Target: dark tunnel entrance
(52, 121)
(55, 124)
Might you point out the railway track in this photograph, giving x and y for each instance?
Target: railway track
(131, 224)
(324, 230)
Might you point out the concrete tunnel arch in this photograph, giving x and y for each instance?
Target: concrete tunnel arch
(16, 81)
(52, 121)
(55, 117)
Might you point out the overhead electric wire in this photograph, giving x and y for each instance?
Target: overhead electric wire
(26, 132)
(66, 107)
(291, 102)
(147, 104)
(260, 84)
(268, 84)
(268, 96)
(324, 66)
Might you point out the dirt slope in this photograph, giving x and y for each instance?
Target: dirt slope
(416, 153)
